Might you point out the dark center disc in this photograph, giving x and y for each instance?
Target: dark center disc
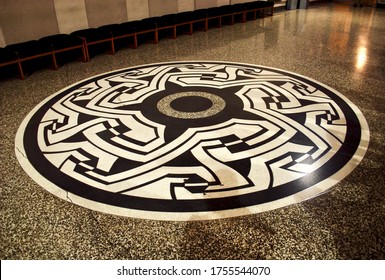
(191, 104)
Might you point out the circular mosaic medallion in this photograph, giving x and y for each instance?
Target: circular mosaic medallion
(192, 140)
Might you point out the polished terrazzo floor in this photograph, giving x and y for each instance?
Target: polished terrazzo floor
(334, 44)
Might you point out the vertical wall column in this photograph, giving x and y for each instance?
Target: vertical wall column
(203, 4)
(102, 12)
(71, 15)
(223, 2)
(186, 5)
(2, 41)
(22, 20)
(162, 7)
(137, 9)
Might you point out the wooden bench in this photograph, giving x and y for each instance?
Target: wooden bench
(36, 54)
(92, 37)
(9, 58)
(148, 29)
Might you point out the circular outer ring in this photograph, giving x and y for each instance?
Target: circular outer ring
(68, 189)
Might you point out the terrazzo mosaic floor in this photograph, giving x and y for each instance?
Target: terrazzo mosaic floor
(228, 138)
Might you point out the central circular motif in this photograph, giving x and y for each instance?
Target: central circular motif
(192, 140)
(191, 105)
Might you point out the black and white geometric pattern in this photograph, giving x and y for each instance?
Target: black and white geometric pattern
(192, 140)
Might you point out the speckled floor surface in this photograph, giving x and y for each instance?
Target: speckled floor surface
(337, 45)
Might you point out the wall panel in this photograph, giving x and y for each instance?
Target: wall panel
(2, 41)
(137, 9)
(223, 2)
(101, 12)
(186, 5)
(162, 7)
(23, 20)
(71, 15)
(202, 4)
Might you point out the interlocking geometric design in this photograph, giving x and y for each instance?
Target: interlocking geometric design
(192, 140)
